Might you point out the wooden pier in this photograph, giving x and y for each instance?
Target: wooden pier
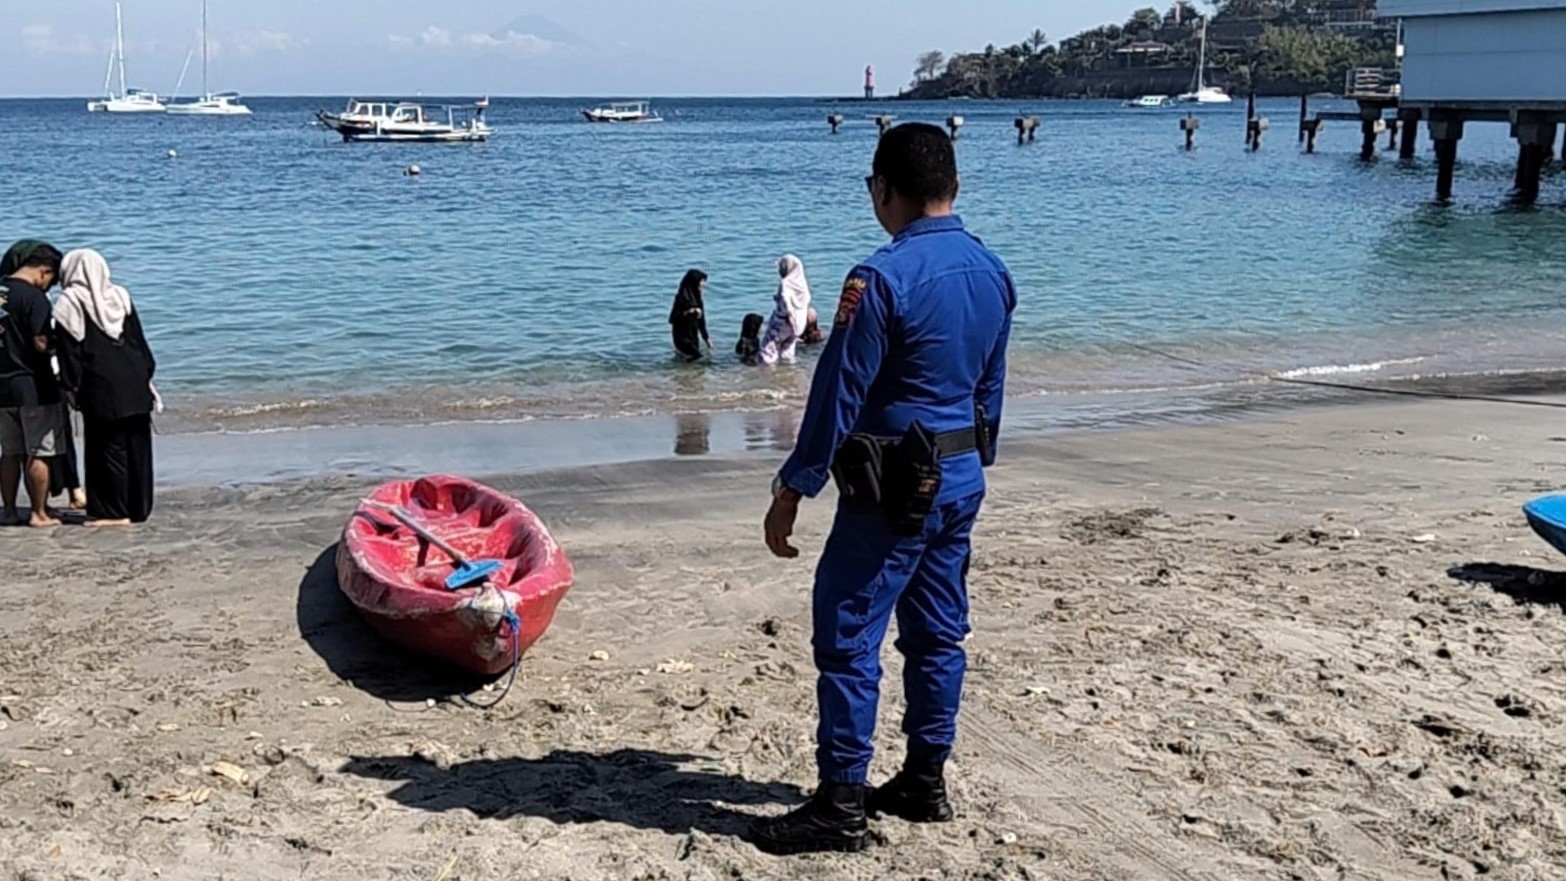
(1483, 61)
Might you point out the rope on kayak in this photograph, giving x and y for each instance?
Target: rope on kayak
(514, 621)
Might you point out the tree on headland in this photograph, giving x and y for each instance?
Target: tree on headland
(1144, 23)
(929, 66)
(1274, 46)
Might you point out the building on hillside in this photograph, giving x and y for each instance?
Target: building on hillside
(1234, 35)
(1143, 54)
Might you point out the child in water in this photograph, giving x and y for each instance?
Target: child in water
(812, 335)
(749, 346)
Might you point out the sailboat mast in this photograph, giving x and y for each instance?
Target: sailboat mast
(1201, 67)
(119, 45)
(205, 90)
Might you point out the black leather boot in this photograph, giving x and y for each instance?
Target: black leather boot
(832, 821)
(917, 794)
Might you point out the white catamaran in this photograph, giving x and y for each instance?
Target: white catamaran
(1201, 93)
(126, 100)
(210, 104)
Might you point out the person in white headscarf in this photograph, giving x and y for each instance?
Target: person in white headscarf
(790, 315)
(105, 360)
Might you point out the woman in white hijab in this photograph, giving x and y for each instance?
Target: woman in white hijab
(790, 315)
(105, 360)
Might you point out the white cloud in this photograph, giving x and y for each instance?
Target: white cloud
(40, 39)
(259, 42)
(439, 39)
(529, 44)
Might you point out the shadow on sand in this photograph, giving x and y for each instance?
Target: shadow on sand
(1524, 584)
(358, 655)
(636, 788)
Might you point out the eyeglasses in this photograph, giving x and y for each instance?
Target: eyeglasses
(870, 184)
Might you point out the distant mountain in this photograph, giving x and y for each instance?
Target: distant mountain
(542, 28)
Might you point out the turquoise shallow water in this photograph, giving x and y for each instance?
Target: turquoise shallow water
(287, 279)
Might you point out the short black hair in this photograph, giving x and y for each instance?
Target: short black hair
(918, 162)
(47, 256)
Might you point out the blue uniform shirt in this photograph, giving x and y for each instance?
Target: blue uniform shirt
(920, 334)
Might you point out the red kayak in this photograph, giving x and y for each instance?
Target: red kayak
(398, 580)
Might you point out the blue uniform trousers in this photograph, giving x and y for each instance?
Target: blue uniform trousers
(866, 574)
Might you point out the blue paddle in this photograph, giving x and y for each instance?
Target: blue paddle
(468, 572)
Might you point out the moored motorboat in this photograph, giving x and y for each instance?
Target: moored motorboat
(623, 112)
(409, 121)
(397, 580)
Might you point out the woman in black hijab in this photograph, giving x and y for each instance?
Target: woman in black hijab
(688, 318)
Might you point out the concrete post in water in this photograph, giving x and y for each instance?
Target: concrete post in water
(1027, 129)
(1190, 125)
(835, 121)
(1446, 133)
(1250, 116)
(1536, 143)
(1304, 114)
(1394, 127)
(1311, 128)
(884, 122)
(954, 125)
(1371, 125)
(1255, 129)
(1410, 121)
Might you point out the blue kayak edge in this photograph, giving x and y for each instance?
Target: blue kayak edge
(1547, 516)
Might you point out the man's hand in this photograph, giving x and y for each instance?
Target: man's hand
(780, 526)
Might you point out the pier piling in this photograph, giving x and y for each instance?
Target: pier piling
(954, 125)
(1304, 115)
(835, 121)
(1309, 129)
(1027, 129)
(1371, 126)
(1256, 128)
(1446, 133)
(1410, 125)
(1190, 125)
(1394, 128)
(1535, 145)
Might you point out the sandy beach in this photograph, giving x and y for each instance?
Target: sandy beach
(1319, 645)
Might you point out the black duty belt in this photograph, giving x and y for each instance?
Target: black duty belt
(957, 443)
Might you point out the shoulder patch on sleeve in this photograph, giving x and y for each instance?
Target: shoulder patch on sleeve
(853, 291)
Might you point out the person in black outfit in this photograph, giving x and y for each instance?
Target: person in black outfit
(749, 346)
(689, 317)
(105, 359)
(29, 395)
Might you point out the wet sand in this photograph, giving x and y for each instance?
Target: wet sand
(1314, 646)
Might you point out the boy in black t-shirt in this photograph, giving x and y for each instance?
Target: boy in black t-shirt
(29, 394)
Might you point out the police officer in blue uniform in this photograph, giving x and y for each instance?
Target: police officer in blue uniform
(904, 412)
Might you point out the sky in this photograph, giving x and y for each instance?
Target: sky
(516, 47)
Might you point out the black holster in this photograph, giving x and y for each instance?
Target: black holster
(898, 479)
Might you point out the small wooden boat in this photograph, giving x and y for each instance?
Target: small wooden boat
(397, 580)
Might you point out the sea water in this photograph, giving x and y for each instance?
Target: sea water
(288, 280)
